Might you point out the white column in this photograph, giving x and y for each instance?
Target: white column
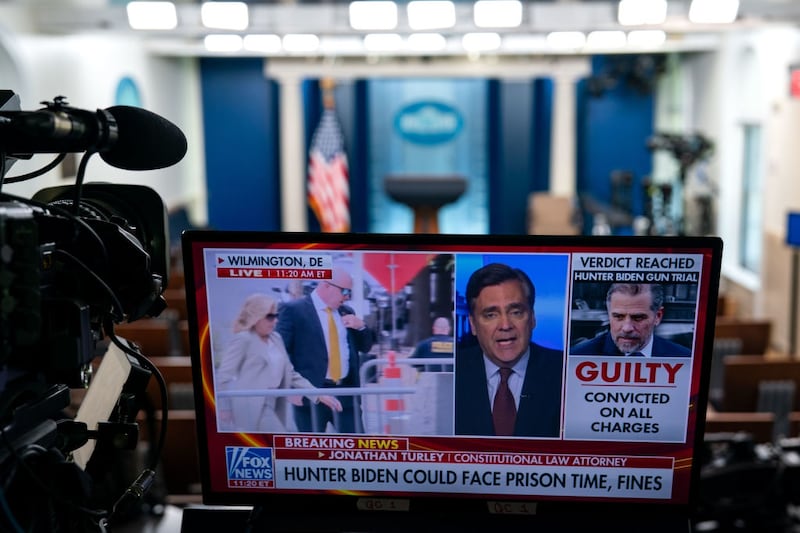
(293, 156)
(563, 134)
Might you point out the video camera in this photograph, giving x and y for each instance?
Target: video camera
(686, 149)
(74, 261)
(747, 486)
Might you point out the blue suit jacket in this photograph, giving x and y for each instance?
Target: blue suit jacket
(604, 345)
(298, 324)
(539, 412)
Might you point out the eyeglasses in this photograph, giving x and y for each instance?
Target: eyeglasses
(345, 291)
(271, 316)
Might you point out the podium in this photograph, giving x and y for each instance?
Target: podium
(425, 194)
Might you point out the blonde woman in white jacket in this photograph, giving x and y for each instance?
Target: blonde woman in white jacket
(256, 358)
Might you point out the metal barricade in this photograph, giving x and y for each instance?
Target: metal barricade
(355, 392)
(427, 411)
(383, 407)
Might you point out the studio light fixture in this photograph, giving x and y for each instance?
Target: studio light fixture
(566, 40)
(224, 15)
(223, 43)
(606, 39)
(152, 15)
(641, 12)
(647, 38)
(383, 42)
(713, 11)
(264, 43)
(524, 43)
(300, 42)
(431, 14)
(497, 13)
(481, 41)
(377, 15)
(426, 42)
(341, 44)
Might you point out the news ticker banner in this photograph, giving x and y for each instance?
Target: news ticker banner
(272, 265)
(607, 267)
(375, 464)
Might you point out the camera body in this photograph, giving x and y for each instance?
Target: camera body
(686, 149)
(62, 276)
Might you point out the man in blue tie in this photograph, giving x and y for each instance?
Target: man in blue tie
(634, 311)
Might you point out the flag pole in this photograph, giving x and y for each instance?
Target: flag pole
(327, 85)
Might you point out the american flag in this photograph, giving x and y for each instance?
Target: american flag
(328, 186)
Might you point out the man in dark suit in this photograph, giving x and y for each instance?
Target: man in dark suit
(505, 384)
(324, 337)
(634, 311)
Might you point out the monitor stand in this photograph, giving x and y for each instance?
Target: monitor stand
(206, 519)
(425, 194)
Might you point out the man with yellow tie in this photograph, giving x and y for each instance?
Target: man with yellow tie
(324, 337)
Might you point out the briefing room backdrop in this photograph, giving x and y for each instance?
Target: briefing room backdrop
(501, 146)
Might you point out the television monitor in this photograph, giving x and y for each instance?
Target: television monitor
(598, 433)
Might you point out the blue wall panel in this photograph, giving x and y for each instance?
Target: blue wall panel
(542, 121)
(615, 119)
(240, 127)
(512, 133)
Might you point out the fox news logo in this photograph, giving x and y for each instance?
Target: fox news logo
(246, 464)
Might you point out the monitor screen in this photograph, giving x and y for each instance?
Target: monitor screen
(494, 374)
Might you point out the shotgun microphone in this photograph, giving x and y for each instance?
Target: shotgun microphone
(126, 137)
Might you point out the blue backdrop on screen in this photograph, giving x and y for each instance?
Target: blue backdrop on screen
(549, 274)
(464, 153)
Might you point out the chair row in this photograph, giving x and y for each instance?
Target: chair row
(157, 337)
(179, 458)
(753, 334)
(757, 395)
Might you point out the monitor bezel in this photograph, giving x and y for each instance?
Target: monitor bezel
(469, 508)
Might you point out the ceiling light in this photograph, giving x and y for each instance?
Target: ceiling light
(566, 40)
(713, 11)
(638, 12)
(222, 43)
(152, 15)
(383, 42)
(647, 38)
(300, 42)
(606, 39)
(427, 42)
(377, 15)
(341, 44)
(497, 13)
(224, 15)
(524, 43)
(264, 43)
(481, 42)
(431, 14)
